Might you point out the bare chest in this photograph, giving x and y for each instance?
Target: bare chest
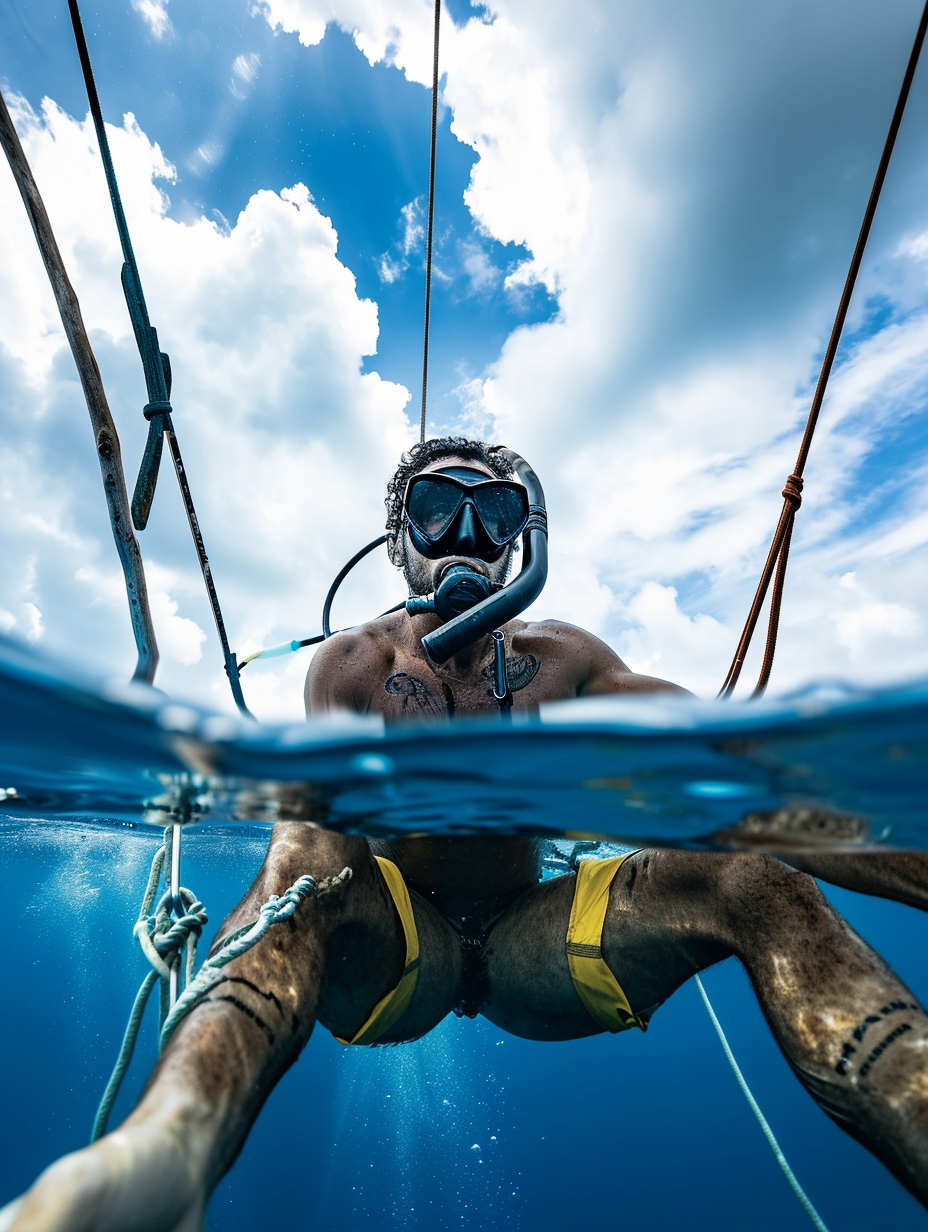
(415, 688)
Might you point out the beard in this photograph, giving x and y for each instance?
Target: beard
(418, 570)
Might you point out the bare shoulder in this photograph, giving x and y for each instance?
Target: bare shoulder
(591, 665)
(340, 675)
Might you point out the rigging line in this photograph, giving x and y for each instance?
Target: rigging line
(792, 498)
(761, 1119)
(431, 220)
(157, 368)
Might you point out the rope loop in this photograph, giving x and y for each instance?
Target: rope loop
(151, 409)
(162, 937)
(282, 906)
(793, 491)
(277, 908)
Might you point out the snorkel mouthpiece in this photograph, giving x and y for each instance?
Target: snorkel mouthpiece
(459, 590)
(482, 616)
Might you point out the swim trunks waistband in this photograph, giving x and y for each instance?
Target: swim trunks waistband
(390, 1009)
(596, 986)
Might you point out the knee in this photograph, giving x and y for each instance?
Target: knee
(761, 892)
(296, 849)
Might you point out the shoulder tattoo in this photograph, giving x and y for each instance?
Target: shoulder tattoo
(520, 671)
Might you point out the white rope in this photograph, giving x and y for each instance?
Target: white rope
(276, 908)
(761, 1119)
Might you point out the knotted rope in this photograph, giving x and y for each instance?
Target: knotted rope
(163, 938)
(156, 366)
(277, 908)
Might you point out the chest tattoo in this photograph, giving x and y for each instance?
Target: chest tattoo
(520, 671)
(416, 695)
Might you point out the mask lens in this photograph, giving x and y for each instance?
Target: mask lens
(502, 510)
(432, 505)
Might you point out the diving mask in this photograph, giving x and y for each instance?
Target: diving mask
(460, 511)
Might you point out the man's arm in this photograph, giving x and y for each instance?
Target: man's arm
(342, 671)
(604, 672)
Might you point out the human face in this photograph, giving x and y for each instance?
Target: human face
(423, 574)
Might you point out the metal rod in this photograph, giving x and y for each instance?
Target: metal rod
(231, 663)
(157, 373)
(178, 905)
(501, 689)
(106, 439)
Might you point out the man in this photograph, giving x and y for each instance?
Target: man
(426, 926)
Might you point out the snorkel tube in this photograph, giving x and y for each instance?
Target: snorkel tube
(492, 612)
(468, 602)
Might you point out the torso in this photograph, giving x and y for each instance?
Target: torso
(381, 668)
(405, 684)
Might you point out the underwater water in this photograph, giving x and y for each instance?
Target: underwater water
(467, 1128)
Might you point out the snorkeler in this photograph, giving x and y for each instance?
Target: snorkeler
(426, 926)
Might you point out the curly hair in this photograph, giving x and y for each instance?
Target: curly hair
(422, 454)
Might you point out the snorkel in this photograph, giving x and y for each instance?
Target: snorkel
(465, 600)
(468, 603)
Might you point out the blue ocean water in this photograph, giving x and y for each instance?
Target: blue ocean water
(467, 1128)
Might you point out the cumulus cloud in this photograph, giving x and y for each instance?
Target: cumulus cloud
(286, 442)
(689, 183)
(399, 33)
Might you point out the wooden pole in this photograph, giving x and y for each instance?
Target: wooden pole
(105, 437)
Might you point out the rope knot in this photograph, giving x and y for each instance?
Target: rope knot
(162, 937)
(151, 409)
(793, 491)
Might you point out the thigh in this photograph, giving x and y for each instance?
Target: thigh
(531, 992)
(347, 949)
(661, 927)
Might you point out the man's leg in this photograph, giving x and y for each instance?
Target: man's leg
(848, 1026)
(333, 960)
(898, 875)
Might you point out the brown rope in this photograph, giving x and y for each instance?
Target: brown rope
(792, 493)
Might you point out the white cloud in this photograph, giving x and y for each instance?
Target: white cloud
(286, 443)
(687, 181)
(399, 33)
(244, 73)
(482, 275)
(689, 188)
(916, 247)
(245, 67)
(867, 624)
(155, 15)
(394, 264)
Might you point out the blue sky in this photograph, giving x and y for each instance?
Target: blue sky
(644, 218)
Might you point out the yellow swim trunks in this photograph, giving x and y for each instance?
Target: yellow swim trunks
(596, 986)
(391, 1008)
